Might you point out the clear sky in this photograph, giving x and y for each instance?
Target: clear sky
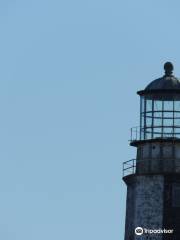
(69, 72)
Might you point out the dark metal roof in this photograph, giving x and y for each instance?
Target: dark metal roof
(165, 82)
(168, 83)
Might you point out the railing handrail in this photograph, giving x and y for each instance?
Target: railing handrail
(133, 163)
(132, 166)
(138, 133)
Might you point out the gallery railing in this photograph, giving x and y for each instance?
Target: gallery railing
(155, 132)
(129, 167)
(146, 166)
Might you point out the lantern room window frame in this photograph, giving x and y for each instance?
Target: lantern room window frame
(159, 115)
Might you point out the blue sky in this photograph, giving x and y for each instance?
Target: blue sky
(69, 72)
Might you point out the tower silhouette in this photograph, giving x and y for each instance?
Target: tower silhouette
(153, 177)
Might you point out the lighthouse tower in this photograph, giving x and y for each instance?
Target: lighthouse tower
(153, 177)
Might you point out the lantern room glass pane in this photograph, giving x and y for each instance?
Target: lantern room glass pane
(177, 105)
(148, 105)
(168, 105)
(157, 105)
(168, 122)
(168, 115)
(148, 121)
(157, 122)
(177, 132)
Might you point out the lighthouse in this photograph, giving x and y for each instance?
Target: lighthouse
(153, 176)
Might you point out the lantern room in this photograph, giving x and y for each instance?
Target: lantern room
(160, 107)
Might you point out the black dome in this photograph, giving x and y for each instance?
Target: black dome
(165, 82)
(168, 81)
